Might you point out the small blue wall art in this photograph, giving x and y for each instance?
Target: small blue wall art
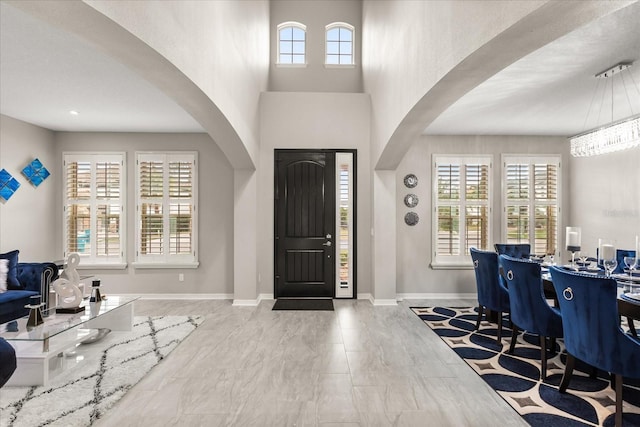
(8, 185)
(35, 172)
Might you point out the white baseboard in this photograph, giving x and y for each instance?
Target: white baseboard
(265, 297)
(374, 301)
(366, 296)
(269, 296)
(252, 302)
(380, 302)
(401, 297)
(182, 296)
(245, 302)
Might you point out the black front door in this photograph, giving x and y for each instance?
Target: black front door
(304, 224)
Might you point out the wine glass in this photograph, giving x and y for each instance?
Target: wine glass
(582, 263)
(551, 256)
(609, 266)
(632, 263)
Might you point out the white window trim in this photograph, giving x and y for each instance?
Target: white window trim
(166, 260)
(344, 158)
(531, 159)
(462, 261)
(92, 262)
(285, 25)
(353, 44)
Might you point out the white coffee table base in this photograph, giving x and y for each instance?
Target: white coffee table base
(35, 366)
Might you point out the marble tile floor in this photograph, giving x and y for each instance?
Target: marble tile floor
(359, 365)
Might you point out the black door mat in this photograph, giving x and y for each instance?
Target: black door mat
(303, 304)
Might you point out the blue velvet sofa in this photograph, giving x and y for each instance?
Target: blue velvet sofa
(34, 279)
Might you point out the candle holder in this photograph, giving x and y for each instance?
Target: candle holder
(95, 291)
(35, 311)
(573, 238)
(607, 255)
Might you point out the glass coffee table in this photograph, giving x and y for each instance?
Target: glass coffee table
(36, 346)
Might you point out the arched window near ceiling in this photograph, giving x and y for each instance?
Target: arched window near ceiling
(291, 43)
(339, 44)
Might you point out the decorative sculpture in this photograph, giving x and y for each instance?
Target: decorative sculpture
(70, 271)
(68, 288)
(69, 295)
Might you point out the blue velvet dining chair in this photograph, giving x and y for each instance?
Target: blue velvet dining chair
(492, 295)
(529, 308)
(592, 332)
(516, 250)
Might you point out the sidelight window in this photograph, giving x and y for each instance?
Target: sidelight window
(344, 224)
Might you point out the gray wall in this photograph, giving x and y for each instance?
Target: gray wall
(315, 77)
(27, 220)
(605, 198)
(313, 120)
(414, 243)
(220, 45)
(215, 213)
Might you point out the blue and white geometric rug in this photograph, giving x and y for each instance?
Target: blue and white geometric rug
(80, 394)
(588, 401)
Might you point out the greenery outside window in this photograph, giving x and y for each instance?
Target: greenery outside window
(94, 208)
(531, 202)
(166, 206)
(462, 207)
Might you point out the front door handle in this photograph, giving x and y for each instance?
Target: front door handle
(326, 244)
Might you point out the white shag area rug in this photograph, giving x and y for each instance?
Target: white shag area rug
(80, 394)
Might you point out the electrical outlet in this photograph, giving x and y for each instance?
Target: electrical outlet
(181, 277)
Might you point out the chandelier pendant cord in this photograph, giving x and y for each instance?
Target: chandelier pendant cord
(593, 97)
(634, 85)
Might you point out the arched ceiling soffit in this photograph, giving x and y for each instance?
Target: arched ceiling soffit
(81, 19)
(552, 20)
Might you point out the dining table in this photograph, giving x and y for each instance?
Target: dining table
(628, 295)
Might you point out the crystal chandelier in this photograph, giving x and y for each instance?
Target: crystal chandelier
(615, 136)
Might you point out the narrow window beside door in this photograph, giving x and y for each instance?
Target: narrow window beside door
(344, 222)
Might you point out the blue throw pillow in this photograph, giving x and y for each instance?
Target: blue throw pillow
(12, 274)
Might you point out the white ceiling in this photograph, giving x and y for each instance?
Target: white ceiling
(549, 92)
(45, 73)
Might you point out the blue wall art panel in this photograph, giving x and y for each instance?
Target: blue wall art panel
(8, 185)
(35, 172)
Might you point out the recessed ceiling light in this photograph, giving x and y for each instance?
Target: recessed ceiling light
(73, 112)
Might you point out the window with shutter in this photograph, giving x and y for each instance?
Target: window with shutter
(461, 205)
(531, 202)
(94, 196)
(166, 210)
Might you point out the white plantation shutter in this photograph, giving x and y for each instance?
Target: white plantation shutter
(94, 207)
(531, 202)
(166, 209)
(461, 205)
